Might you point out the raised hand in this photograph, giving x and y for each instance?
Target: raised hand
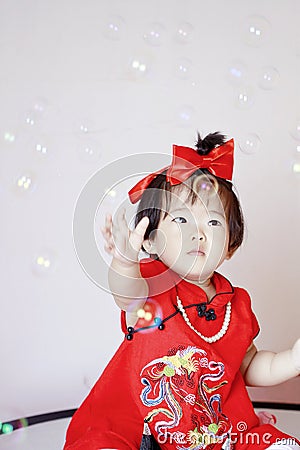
(121, 242)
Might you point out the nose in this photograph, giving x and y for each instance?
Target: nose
(198, 236)
(198, 230)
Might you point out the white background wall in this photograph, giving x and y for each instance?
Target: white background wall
(68, 66)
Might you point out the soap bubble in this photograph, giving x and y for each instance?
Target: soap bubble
(9, 138)
(114, 27)
(41, 149)
(256, 30)
(138, 67)
(112, 198)
(42, 145)
(44, 262)
(184, 33)
(89, 150)
(90, 205)
(30, 118)
(295, 130)
(236, 73)
(84, 126)
(183, 68)
(149, 315)
(244, 97)
(185, 114)
(250, 143)
(25, 182)
(155, 34)
(40, 105)
(296, 167)
(268, 78)
(111, 193)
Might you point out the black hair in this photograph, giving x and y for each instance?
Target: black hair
(211, 141)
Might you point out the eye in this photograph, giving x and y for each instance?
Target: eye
(214, 223)
(179, 220)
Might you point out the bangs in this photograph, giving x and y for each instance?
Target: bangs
(200, 186)
(171, 193)
(205, 186)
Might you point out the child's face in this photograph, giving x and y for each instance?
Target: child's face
(192, 240)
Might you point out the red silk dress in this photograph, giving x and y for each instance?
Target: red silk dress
(191, 393)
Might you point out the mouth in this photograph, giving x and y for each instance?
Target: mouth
(196, 253)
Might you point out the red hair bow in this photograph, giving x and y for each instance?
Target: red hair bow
(185, 162)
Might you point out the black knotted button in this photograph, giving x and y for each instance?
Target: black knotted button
(209, 314)
(129, 336)
(201, 309)
(161, 326)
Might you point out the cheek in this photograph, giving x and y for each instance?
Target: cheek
(171, 233)
(225, 243)
(170, 242)
(219, 242)
(166, 240)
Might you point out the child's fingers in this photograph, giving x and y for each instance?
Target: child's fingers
(137, 235)
(107, 228)
(105, 232)
(108, 221)
(121, 220)
(109, 249)
(126, 244)
(109, 241)
(142, 226)
(107, 236)
(121, 230)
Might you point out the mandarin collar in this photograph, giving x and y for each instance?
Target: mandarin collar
(190, 293)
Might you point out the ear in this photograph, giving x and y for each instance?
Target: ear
(149, 246)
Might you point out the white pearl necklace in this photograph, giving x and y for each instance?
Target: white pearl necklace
(208, 339)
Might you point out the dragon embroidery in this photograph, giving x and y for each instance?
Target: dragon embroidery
(181, 389)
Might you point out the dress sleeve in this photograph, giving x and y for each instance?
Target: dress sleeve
(123, 321)
(252, 317)
(159, 279)
(255, 326)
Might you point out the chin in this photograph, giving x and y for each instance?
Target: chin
(201, 275)
(197, 276)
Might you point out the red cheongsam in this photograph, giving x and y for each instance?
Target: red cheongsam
(191, 393)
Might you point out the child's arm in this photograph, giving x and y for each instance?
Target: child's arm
(125, 280)
(264, 368)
